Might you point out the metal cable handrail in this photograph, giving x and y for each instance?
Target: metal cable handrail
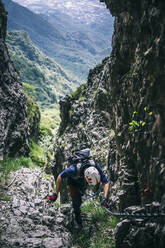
(152, 214)
(135, 215)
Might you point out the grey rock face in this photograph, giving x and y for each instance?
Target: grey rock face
(85, 120)
(138, 112)
(126, 93)
(13, 103)
(27, 219)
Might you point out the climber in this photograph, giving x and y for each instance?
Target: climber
(78, 176)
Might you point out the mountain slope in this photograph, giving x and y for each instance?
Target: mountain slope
(91, 14)
(84, 11)
(76, 48)
(35, 68)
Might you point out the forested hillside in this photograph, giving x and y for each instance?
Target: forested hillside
(76, 47)
(50, 81)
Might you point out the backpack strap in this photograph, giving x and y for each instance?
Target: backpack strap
(78, 168)
(86, 164)
(81, 166)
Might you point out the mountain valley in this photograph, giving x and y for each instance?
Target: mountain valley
(74, 42)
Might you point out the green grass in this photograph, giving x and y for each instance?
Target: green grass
(29, 89)
(46, 81)
(41, 151)
(57, 205)
(102, 237)
(77, 93)
(5, 198)
(82, 240)
(49, 123)
(37, 154)
(10, 164)
(50, 119)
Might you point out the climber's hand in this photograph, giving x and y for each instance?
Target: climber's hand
(52, 198)
(104, 202)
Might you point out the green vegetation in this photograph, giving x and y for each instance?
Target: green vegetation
(78, 93)
(139, 121)
(5, 198)
(57, 205)
(42, 130)
(37, 154)
(75, 46)
(10, 164)
(103, 235)
(33, 109)
(29, 89)
(82, 98)
(49, 123)
(47, 81)
(50, 120)
(42, 138)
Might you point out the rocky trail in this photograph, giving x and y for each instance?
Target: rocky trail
(27, 219)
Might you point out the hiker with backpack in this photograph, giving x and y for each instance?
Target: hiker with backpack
(81, 171)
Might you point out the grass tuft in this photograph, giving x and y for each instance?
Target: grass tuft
(103, 236)
(10, 164)
(37, 154)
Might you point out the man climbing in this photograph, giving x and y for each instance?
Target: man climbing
(82, 170)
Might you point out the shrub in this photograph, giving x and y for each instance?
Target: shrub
(37, 154)
(29, 89)
(76, 94)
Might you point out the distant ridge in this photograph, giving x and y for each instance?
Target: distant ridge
(35, 68)
(77, 50)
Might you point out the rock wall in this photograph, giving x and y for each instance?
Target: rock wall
(138, 112)
(137, 88)
(127, 94)
(13, 102)
(27, 219)
(85, 120)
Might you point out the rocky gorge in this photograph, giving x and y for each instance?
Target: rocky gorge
(119, 114)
